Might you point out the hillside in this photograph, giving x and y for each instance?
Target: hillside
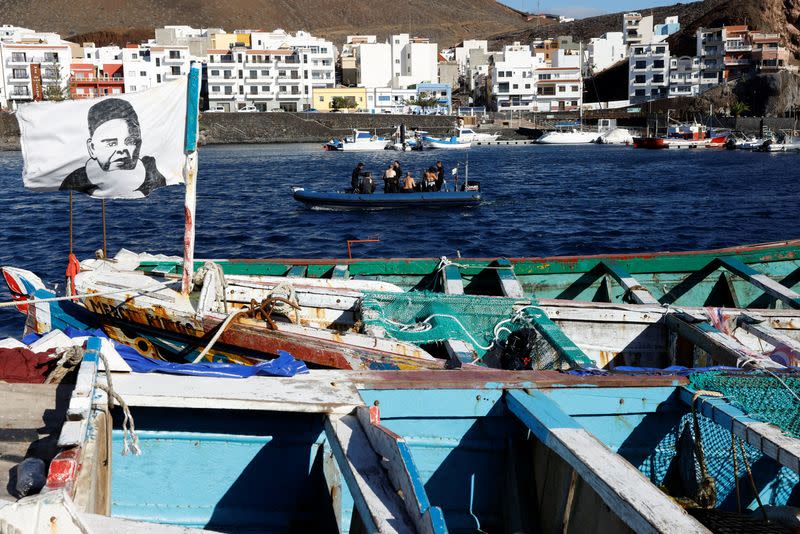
(446, 21)
(780, 16)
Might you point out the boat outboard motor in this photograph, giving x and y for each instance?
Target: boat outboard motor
(517, 353)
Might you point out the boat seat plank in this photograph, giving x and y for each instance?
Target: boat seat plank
(636, 291)
(460, 351)
(297, 271)
(453, 283)
(761, 281)
(758, 327)
(557, 339)
(404, 474)
(509, 284)
(624, 489)
(725, 349)
(767, 438)
(341, 271)
(378, 504)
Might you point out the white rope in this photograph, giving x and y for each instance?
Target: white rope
(220, 284)
(287, 291)
(142, 291)
(130, 440)
(217, 335)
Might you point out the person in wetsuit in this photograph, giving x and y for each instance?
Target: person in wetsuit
(355, 177)
(439, 175)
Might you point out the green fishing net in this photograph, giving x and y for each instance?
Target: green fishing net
(421, 317)
(770, 398)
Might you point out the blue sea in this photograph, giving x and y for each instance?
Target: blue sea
(539, 201)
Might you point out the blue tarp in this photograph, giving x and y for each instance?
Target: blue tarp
(284, 365)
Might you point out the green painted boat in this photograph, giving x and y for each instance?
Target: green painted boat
(734, 306)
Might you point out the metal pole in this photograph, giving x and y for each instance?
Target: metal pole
(105, 248)
(190, 202)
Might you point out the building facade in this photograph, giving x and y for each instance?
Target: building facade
(684, 76)
(648, 72)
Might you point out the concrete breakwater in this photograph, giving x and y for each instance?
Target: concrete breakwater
(228, 128)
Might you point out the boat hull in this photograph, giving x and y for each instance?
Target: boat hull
(388, 200)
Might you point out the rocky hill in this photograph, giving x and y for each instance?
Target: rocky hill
(446, 21)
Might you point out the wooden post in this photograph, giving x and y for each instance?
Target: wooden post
(190, 147)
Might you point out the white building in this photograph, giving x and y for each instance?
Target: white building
(462, 53)
(648, 73)
(198, 40)
(684, 76)
(30, 64)
(388, 100)
(559, 86)
(414, 61)
(637, 29)
(146, 66)
(374, 65)
(513, 77)
(602, 52)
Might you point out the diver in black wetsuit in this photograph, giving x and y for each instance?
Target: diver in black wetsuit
(355, 178)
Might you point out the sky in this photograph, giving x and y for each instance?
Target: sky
(585, 8)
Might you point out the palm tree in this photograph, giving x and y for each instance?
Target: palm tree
(738, 107)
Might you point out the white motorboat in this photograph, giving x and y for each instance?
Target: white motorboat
(786, 142)
(617, 136)
(360, 141)
(448, 144)
(571, 137)
(468, 135)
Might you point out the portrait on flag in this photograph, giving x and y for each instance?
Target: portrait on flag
(120, 146)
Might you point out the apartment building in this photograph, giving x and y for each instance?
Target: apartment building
(602, 52)
(559, 85)
(29, 69)
(513, 75)
(684, 76)
(462, 53)
(414, 61)
(648, 73)
(767, 53)
(148, 65)
(637, 29)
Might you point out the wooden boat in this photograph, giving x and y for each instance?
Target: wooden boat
(434, 199)
(648, 310)
(682, 136)
(423, 451)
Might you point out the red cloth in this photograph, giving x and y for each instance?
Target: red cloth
(73, 268)
(24, 366)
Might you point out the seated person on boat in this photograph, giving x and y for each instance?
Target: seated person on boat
(409, 185)
(391, 182)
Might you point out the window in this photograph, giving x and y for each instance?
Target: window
(639, 92)
(282, 88)
(640, 64)
(502, 87)
(658, 64)
(213, 73)
(640, 78)
(654, 92)
(660, 49)
(282, 73)
(215, 88)
(265, 88)
(158, 78)
(515, 86)
(545, 76)
(574, 88)
(253, 90)
(562, 88)
(397, 61)
(19, 74)
(176, 71)
(638, 50)
(658, 78)
(51, 57)
(174, 54)
(228, 90)
(322, 99)
(253, 73)
(158, 62)
(18, 57)
(527, 86)
(546, 91)
(133, 88)
(143, 73)
(265, 73)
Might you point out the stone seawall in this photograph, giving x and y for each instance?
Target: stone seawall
(227, 128)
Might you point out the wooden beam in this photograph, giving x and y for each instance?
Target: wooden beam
(379, 506)
(637, 293)
(341, 272)
(721, 347)
(557, 339)
(451, 278)
(767, 438)
(509, 284)
(757, 326)
(297, 271)
(460, 351)
(404, 475)
(632, 497)
(761, 281)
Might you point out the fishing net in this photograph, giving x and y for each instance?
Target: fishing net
(772, 398)
(422, 317)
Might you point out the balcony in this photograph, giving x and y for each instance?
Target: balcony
(179, 59)
(10, 62)
(222, 79)
(736, 61)
(737, 46)
(19, 94)
(19, 79)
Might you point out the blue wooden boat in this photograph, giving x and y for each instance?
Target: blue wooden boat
(353, 201)
(423, 451)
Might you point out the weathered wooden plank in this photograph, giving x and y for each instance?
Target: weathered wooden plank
(378, 504)
(765, 437)
(761, 281)
(724, 349)
(564, 346)
(636, 291)
(758, 327)
(341, 271)
(460, 351)
(404, 475)
(509, 284)
(297, 271)
(451, 278)
(642, 506)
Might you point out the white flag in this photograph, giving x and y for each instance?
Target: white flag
(120, 146)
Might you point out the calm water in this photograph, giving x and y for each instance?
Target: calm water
(540, 200)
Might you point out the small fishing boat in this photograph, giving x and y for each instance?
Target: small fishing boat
(785, 141)
(680, 136)
(343, 200)
(435, 452)
(468, 135)
(360, 141)
(451, 143)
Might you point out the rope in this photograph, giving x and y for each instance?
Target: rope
(128, 427)
(220, 283)
(736, 473)
(217, 335)
(143, 291)
(287, 291)
(706, 494)
(70, 357)
(752, 482)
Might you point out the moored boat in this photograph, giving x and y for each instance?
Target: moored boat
(360, 141)
(451, 143)
(572, 137)
(433, 199)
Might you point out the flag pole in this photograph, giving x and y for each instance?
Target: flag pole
(190, 172)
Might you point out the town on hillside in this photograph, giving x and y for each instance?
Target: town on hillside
(261, 71)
